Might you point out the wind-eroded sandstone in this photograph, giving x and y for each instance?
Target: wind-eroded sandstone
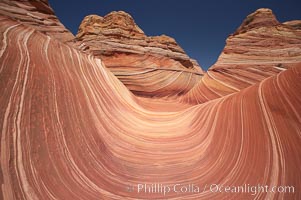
(261, 47)
(38, 15)
(148, 66)
(69, 129)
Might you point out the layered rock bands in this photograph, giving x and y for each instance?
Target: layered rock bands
(72, 129)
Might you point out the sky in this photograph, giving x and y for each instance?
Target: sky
(200, 27)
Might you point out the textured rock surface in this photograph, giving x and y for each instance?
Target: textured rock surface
(148, 66)
(261, 47)
(296, 24)
(71, 130)
(37, 14)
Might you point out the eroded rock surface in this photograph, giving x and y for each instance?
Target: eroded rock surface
(69, 129)
(261, 47)
(38, 15)
(148, 66)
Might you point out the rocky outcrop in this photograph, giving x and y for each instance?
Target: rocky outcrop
(260, 18)
(295, 24)
(262, 41)
(69, 129)
(261, 47)
(38, 15)
(148, 66)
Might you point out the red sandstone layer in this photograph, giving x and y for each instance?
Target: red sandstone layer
(71, 130)
(148, 66)
(261, 47)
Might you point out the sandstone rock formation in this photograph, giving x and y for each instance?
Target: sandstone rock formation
(296, 24)
(148, 66)
(36, 14)
(69, 129)
(260, 47)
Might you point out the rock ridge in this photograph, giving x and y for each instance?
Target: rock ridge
(128, 53)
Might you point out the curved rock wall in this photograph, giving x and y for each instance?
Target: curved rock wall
(261, 47)
(69, 129)
(38, 15)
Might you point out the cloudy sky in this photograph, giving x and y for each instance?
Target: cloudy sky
(200, 27)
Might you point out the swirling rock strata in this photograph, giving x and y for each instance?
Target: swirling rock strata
(71, 130)
(148, 66)
(38, 15)
(260, 47)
